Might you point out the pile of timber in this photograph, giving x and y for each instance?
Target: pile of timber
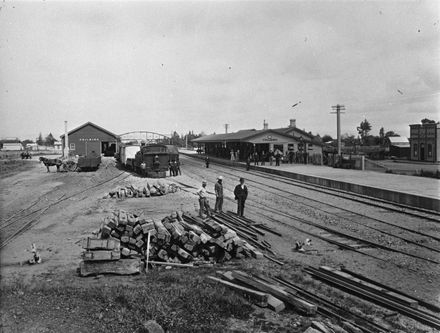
(103, 256)
(263, 292)
(249, 231)
(178, 238)
(377, 293)
(147, 191)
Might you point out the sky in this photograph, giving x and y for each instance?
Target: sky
(180, 66)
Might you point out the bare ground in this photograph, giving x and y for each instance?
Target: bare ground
(51, 297)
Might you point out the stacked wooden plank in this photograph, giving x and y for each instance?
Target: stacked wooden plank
(131, 191)
(177, 238)
(249, 231)
(102, 256)
(264, 293)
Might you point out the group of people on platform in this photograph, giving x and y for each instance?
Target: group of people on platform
(174, 167)
(240, 194)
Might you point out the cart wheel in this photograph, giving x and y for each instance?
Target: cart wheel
(71, 166)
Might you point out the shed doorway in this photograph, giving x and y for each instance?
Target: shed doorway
(108, 148)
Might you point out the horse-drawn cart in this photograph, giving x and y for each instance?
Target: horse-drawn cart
(82, 163)
(90, 162)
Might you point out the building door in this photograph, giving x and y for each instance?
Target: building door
(422, 152)
(92, 147)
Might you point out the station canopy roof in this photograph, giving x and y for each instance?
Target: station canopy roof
(288, 134)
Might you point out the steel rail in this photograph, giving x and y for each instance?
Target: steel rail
(30, 223)
(353, 212)
(421, 316)
(336, 232)
(327, 190)
(326, 308)
(421, 302)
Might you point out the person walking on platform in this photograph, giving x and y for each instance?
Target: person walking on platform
(277, 158)
(203, 200)
(241, 193)
(232, 157)
(271, 157)
(207, 161)
(255, 158)
(219, 195)
(248, 163)
(263, 158)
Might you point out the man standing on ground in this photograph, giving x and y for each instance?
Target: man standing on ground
(203, 200)
(241, 193)
(178, 168)
(207, 161)
(219, 195)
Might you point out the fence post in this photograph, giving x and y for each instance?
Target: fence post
(362, 163)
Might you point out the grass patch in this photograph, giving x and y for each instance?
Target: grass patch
(180, 301)
(11, 167)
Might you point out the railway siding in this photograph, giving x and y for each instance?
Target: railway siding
(416, 192)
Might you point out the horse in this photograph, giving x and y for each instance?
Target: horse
(51, 162)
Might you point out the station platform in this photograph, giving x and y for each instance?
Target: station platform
(412, 191)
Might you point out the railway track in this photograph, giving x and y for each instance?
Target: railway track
(24, 220)
(375, 202)
(351, 212)
(333, 236)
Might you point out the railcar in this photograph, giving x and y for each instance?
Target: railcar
(153, 160)
(127, 155)
(88, 162)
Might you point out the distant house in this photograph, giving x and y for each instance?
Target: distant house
(32, 146)
(398, 146)
(11, 144)
(58, 145)
(425, 142)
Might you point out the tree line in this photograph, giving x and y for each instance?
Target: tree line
(48, 140)
(364, 138)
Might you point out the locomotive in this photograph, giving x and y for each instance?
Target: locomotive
(151, 160)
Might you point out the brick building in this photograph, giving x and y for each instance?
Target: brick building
(425, 142)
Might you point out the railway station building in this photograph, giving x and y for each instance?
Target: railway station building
(89, 138)
(425, 142)
(305, 147)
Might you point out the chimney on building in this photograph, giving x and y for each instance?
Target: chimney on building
(66, 141)
(265, 125)
(292, 123)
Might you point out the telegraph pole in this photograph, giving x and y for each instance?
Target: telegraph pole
(66, 141)
(226, 128)
(337, 109)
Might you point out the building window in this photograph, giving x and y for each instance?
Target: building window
(415, 150)
(429, 150)
(72, 146)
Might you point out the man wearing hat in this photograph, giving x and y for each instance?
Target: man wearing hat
(219, 194)
(203, 200)
(241, 193)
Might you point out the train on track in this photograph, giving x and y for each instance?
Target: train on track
(150, 160)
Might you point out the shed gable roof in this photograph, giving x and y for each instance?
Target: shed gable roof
(93, 125)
